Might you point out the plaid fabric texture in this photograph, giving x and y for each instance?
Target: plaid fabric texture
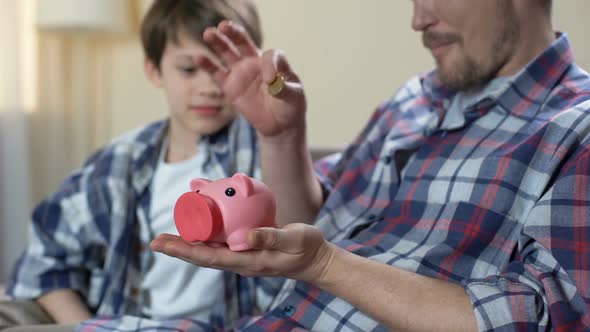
(498, 203)
(92, 233)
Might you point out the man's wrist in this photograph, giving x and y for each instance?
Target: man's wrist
(327, 265)
(287, 138)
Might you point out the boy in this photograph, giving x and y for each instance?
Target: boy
(88, 252)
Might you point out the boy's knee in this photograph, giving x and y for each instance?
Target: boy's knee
(22, 312)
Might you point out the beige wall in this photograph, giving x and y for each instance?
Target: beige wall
(351, 55)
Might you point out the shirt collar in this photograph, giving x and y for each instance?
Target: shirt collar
(151, 141)
(145, 158)
(527, 90)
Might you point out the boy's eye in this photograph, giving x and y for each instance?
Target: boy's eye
(187, 70)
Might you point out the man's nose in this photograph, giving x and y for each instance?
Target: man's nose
(423, 14)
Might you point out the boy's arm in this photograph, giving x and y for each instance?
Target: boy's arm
(64, 306)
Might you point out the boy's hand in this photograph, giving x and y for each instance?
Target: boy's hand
(245, 77)
(297, 251)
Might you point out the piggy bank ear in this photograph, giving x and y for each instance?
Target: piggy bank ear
(243, 184)
(198, 184)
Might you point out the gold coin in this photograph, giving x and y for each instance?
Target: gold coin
(277, 85)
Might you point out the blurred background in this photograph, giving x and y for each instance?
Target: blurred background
(71, 79)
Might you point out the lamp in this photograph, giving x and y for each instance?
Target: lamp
(83, 16)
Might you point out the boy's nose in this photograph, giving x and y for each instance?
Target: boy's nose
(205, 85)
(209, 92)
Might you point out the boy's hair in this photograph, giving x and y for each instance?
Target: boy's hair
(166, 19)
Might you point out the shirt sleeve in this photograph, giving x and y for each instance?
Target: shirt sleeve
(546, 286)
(330, 168)
(133, 323)
(58, 256)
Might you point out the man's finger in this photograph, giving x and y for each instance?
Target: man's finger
(222, 45)
(238, 35)
(219, 73)
(288, 241)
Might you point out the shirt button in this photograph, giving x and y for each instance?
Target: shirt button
(372, 217)
(289, 310)
(134, 291)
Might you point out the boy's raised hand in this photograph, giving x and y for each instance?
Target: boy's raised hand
(245, 76)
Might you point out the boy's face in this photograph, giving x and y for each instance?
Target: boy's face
(196, 103)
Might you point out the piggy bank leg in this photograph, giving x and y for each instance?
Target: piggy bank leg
(238, 240)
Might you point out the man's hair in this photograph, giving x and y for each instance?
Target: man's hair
(166, 19)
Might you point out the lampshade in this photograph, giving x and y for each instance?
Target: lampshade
(90, 16)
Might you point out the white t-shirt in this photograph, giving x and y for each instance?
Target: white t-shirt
(175, 288)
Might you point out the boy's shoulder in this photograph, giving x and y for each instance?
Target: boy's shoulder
(130, 147)
(115, 164)
(141, 136)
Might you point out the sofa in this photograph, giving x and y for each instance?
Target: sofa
(3, 293)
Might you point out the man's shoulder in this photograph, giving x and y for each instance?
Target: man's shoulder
(411, 89)
(575, 85)
(571, 93)
(412, 96)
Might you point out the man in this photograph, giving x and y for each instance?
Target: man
(463, 204)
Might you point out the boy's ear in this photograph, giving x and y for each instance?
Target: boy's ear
(152, 72)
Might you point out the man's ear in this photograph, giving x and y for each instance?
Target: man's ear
(152, 72)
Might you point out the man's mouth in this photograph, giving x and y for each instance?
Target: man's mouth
(432, 40)
(439, 43)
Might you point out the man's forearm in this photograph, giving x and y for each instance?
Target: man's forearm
(287, 169)
(399, 299)
(64, 306)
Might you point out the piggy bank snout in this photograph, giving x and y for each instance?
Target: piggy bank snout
(197, 217)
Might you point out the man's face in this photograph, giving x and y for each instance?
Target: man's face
(471, 40)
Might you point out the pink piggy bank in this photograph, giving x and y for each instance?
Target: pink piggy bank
(223, 211)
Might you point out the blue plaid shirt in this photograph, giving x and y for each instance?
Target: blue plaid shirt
(91, 235)
(498, 202)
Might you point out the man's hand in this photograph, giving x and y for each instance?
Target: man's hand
(399, 299)
(297, 251)
(244, 74)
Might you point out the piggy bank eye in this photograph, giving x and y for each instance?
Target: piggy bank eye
(197, 191)
(230, 192)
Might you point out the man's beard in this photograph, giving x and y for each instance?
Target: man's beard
(467, 73)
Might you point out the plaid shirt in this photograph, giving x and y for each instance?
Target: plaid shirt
(91, 234)
(497, 202)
